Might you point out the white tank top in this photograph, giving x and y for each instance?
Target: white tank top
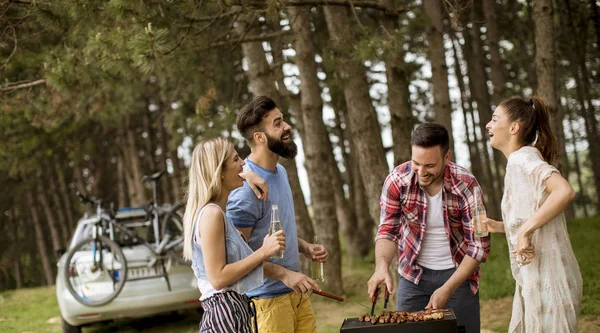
(435, 249)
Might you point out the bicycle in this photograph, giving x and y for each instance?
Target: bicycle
(96, 268)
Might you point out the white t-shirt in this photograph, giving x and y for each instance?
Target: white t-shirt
(435, 248)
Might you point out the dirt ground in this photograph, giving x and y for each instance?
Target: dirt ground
(495, 317)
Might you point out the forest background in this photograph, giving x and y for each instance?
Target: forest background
(95, 94)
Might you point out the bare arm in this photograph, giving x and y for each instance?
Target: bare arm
(299, 282)
(384, 253)
(246, 232)
(561, 196)
(314, 252)
(303, 246)
(212, 234)
(494, 226)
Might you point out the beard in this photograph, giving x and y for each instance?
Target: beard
(285, 150)
(432, 178)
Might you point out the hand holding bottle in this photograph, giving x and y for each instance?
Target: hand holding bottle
(273, 243)
(274, 227)
(318, 251)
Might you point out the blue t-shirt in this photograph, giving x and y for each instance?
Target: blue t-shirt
(245, 210)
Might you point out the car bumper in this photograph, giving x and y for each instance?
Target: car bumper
(137, 299)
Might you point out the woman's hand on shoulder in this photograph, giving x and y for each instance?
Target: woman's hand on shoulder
(257, 184)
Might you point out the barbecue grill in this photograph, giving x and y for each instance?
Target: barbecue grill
(445, 325)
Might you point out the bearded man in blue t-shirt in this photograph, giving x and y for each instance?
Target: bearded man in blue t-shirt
(282, 303)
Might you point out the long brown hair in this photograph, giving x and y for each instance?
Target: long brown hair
(535, 122)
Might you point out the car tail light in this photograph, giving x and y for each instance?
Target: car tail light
(192, 301)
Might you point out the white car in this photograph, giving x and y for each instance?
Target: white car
(138, 298)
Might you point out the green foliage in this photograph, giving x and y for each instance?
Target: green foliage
(496, 279)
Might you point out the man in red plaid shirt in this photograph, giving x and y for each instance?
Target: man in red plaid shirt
(426, 207)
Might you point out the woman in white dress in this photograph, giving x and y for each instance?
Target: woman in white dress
(548, 280)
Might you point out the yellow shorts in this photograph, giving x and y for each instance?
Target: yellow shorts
(289, 313)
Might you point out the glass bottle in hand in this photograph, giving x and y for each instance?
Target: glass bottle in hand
(274, 227)
(479, 215)
(317, 266)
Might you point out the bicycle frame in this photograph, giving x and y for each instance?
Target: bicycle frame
(103, 221)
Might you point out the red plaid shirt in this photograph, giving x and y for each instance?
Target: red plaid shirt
(403, 218)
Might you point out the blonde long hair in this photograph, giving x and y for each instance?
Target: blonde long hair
(208, 160)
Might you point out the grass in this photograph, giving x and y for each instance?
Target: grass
(497, 281)
(28, 310)
(36, 309)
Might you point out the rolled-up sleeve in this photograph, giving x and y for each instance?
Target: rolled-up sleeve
(243, 208)
(479, 248)
(389, 218)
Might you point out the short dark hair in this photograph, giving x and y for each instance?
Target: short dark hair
(251, 115)
(430, 135)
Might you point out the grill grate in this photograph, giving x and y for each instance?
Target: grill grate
(445, 325)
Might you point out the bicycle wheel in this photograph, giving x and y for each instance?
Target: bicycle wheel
(95, 271)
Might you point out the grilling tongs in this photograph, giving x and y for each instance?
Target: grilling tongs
(376, 295)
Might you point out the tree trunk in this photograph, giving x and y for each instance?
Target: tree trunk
(398, 96)
(156, 163)
(149, 146)
(498, 159)
(477, 87)
(121, 184)
(58, 208)
(496, 74)
(357, 240)
(580, 74)
(366, 223)
(347, 218)
(57, 242)
(133, 169)
(176, 178)
(65, 194)
(439, 70)
(171, 154)
(169, 193)
(366, 132)
(39, 237)
(545, 63)
(261, 83)
(523, 27)
(17, 268)
(81, 184)
(472, 142)
(582, 195)
(317, 148)
(596, 19)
